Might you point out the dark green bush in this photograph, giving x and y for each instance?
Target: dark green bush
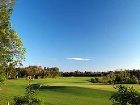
(25, 100)
(125, 96)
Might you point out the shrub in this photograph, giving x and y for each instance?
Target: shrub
(125, 96)
(24, 100)
(30, 97)
(94, 80)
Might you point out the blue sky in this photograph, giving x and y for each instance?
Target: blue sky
(97, 35)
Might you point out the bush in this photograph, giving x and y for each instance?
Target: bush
(94, 80)
(125, 96)
(30, 97)
(24, 100)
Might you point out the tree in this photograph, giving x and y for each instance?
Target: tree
(125, 96)
(11, 72)
(11, 46)
(52, 72)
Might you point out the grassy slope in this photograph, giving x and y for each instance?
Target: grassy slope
(62, 91)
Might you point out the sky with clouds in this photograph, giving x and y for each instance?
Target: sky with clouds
(97, 35)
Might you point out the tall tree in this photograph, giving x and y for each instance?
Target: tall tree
(11, 46)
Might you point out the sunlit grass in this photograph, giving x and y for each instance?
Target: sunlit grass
(62, 91)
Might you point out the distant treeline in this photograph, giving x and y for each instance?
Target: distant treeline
(121, 76)
(98, 74)
(84, 74)
(111, 77)
(33, 71)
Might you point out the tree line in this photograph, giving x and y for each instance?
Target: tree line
(32, 71)
(119, 77)
(110, 77)
(113, 77)
(84, 74)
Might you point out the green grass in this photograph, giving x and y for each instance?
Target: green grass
(62, 91)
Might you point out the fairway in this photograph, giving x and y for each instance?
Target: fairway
(62, 91)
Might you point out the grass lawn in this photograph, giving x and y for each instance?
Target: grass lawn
(62, 91)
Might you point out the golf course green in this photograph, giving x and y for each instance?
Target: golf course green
(61, 91)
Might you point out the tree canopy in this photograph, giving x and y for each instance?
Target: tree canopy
(11, 46)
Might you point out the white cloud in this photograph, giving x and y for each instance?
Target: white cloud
(79, 59)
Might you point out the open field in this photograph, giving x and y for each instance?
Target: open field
(62, 91)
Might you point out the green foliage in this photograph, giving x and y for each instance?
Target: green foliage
(30, 97)
(2, 74)
(11, 72)
(132, 80)
(38, 72)
(23, 100)
(94, 80)
(52, 72)
(11, 47)
(117, 77)
(125, 96)
(123, 77)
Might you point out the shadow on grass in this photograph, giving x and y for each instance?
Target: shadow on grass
(77, 91)
(52, 87)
